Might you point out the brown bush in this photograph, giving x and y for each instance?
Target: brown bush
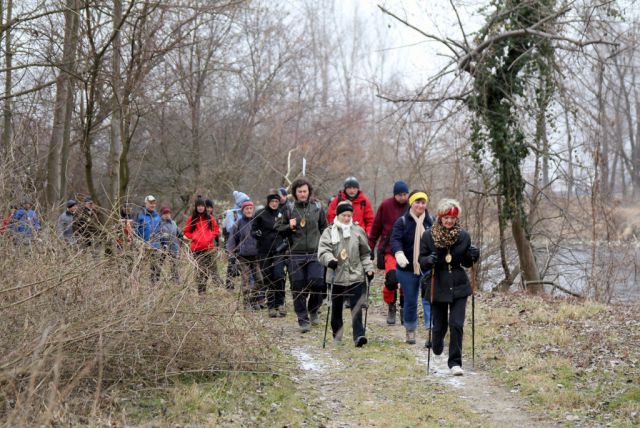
(78, 325)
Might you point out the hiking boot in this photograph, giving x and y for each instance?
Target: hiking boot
(411, 337)
(337, 337)
(304, 327)
(282, 311)
(401, 317)
(347, 304)
(457, 371)
(315, 318)
(361, 341)
(391, 315)
(273, 313)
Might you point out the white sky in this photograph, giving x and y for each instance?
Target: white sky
(410, 53)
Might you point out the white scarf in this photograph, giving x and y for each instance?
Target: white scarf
(416, 242)
(346, 230)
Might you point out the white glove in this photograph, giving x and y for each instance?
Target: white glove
(401, 259)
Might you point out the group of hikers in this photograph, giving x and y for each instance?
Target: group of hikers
(323, 254)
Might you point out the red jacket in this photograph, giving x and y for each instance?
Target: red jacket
(388, 212)
(203, 237)
(362, 210)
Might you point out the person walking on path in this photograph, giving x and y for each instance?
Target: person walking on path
(147, 228)
(169, 236)
(202, 229)
(389, 211)
(87, 225)
(230, 218)
(271, 249)
(6, 221)
(302, 223)
(242, 244)
(405, 245)
(362, 209)
(25, 224)
(64, 226)
(446, 249)
(344, 250)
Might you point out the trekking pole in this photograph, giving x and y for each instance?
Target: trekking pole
(366, 304)
(326, 323)
(433, 284)
(473, 316)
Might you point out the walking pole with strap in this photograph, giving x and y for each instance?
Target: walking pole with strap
(433, 285)
(326, 323)
(366, 303)
(473, 315)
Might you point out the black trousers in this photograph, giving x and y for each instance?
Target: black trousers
(355, 294)
(307, 284)
(449, 316)
(272, 267)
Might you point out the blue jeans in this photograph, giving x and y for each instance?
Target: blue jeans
(427, 312)
(410, 284)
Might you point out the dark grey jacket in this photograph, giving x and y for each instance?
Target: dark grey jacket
(64, 227)
(303, 239)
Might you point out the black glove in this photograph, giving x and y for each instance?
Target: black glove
(333, 264)
(370, 276)
(432, 258)
(473, 253)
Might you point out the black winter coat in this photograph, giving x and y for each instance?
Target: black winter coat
(449, 283)
(264, 230)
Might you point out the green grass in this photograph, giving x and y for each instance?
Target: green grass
(559, 358)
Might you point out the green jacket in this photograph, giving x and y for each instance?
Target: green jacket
(304, 239)
(358, 261)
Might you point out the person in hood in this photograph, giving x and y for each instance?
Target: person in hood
(231, 216)
(202, 229)
(362, 209)
(344, 250)
(243, 245)
(389, 211)
(302, 223)
(271, 248)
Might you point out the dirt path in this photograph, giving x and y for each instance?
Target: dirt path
(386, 382)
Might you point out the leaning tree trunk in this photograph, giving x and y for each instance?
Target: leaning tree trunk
(528, 267)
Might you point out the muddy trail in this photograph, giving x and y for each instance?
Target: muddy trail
(386, 383)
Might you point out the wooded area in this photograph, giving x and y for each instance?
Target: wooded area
(536, 115)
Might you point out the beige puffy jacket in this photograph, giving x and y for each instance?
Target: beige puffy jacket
(358, 255)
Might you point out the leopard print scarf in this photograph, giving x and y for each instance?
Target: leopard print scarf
(443, 237)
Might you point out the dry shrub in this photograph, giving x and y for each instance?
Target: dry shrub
(79, 325)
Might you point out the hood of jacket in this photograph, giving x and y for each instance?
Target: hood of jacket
(240, 198)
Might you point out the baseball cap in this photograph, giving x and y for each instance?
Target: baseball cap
(150, 198)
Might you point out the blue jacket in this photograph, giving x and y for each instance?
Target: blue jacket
(25, 222)
(148, 226)
(232, 215)
(403, 234)
(241, 241)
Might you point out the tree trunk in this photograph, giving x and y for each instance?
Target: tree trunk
(8, 63)
(60, 116)
(529, 269)
(115, 146)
